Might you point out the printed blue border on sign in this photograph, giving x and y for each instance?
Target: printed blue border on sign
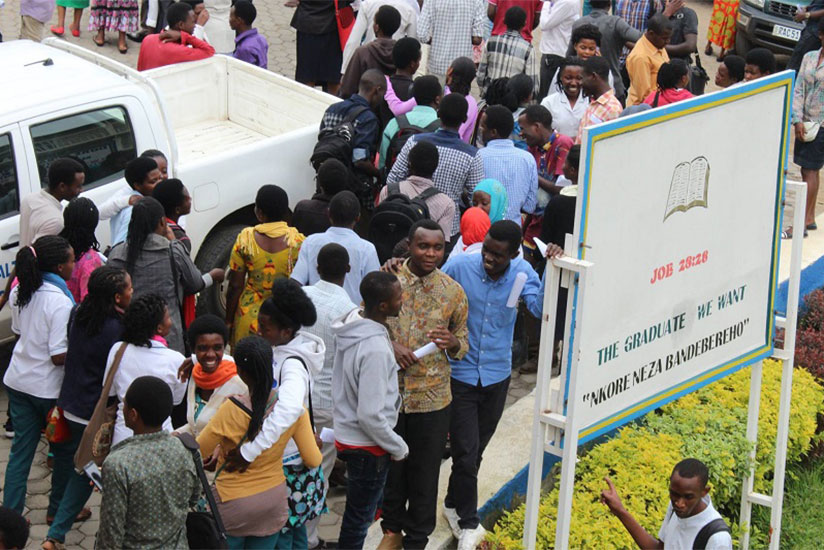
(783, 80)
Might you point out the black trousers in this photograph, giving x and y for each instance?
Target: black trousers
(476, 411)
(410, 498)
(549, 64)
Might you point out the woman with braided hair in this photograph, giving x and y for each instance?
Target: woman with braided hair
(40, 307)
(160, 265)
(94, 327)
(147, 323)
(253, 503)
(80, 219)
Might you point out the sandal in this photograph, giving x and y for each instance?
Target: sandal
(124, 50)
(99, 44)
(708, 50)
(75, 33)
(788, 234)
(84, 514)
(812, 226)
(57, 31)
(52, 544)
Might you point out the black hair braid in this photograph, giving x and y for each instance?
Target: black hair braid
(141, 319)
(104, 283)
(146, 214)
(253, 356)
(79, 222)
(44, 255)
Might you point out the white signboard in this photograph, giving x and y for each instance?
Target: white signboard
(684, 237)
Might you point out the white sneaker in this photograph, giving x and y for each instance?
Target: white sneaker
(471, 538)
(452, 518)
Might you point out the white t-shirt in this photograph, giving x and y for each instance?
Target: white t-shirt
(566, 119)
(138, 361)
(679, 533)
(42, 326)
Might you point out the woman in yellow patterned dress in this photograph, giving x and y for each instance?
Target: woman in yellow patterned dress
(261, 254)
(721, 31)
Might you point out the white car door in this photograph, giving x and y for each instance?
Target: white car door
(15, 183)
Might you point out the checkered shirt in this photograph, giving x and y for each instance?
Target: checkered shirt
(460, 167)
(636, 13)
(450, 26)
(506, 55)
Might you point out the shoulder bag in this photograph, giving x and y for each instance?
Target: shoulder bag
(97, 437)
(203, 529)
(345, 19)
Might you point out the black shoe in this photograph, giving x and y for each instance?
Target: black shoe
(9, 428)
(136, 36)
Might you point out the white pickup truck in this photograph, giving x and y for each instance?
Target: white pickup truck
(227, 128)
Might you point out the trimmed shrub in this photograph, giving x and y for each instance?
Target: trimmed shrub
(709, 424)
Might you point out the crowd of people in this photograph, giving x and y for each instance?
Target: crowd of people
(375, 324)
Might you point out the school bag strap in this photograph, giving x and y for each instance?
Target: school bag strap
(192, 446)
(302, 362)
(355, 113)
(717, 525)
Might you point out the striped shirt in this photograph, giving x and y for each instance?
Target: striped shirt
(607, 107)
(506, 55)
(460, 167)
(517, 171)
(808, 98)
(448, 26)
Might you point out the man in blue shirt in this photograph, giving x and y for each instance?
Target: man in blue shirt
(344, 213)
(367, 128)
(142, 174)
(481, 379)
(513, 167)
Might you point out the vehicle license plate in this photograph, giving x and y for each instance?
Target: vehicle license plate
(786, 32)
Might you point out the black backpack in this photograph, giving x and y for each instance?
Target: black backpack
(336, 142)
(405, 131)
(394, 216)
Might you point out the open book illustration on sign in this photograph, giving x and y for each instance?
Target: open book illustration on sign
(690, 181)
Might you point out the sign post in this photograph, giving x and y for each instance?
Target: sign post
(672, 273)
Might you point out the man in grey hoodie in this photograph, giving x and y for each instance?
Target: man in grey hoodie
(367, 401)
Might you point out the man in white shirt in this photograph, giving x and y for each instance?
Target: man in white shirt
(331, 302)
(41, 213)
(557, 17)
(344, 213)
(690, 521)
(364, 29)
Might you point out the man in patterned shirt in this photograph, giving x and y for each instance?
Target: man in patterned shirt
(434, 310)
(460, 168)
(509, 53)
(149, 479)
(450, 27)
(603, 104)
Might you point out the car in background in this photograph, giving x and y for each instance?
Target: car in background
(768, 24)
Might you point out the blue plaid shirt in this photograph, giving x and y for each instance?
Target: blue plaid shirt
(517, 171)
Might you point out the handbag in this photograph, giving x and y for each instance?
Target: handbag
(345, 19)
(698, 77)
(57, 427)
(810, 131)
(203, 529)
(97, 437)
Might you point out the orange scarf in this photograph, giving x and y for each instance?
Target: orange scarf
(210, 381)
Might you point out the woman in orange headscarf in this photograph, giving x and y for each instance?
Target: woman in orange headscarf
(474, 226)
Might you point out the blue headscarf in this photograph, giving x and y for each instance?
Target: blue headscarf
(497, 194)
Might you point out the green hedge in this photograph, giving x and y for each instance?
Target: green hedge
(709, 424)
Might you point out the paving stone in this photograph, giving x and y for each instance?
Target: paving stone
(90, 526)
(36, 516)
(518, 393)
(330, 519)
(529, 378)
(74, 537)
(39, 486)
(37, 502)
(329, 532)
(88, 543)
(39, 472)
(38, 532)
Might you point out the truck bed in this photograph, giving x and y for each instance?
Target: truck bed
(221, 104)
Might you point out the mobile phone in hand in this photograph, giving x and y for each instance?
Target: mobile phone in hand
(93, 472)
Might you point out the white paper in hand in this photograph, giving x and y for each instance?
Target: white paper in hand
(428, 349)
(517, 287)
(327, 435)
(542, 246)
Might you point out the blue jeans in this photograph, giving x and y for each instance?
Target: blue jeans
(293, 539)
(252, 543)
(28, 414)
(366, 477)
(77, 491)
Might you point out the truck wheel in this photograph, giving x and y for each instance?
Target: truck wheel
(215, 252)
(742, 44)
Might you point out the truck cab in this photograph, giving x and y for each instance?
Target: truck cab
(226, 127)
(768, 24)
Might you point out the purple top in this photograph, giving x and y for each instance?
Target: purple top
(399, 107)
(252, 48)
(40, 10)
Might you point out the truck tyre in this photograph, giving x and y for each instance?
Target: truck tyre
(742, 44)
(215, 252)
